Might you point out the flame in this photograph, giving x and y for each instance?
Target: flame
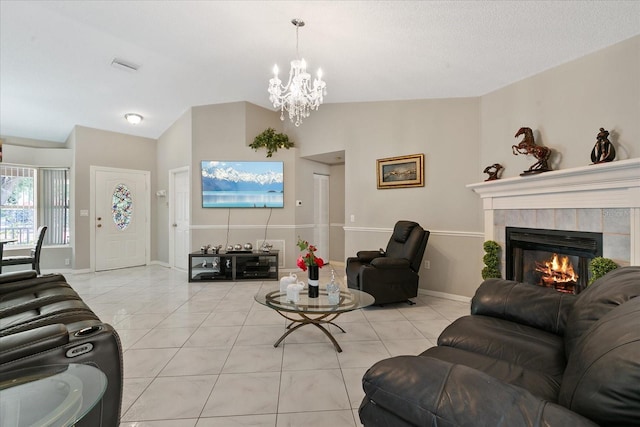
(558, 273)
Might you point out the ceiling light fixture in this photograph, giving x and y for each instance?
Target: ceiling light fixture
(133, 118)
(298, 97)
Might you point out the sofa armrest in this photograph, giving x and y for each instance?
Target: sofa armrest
(368, 256)
(426, 391)
(536, 306)
(390, 263)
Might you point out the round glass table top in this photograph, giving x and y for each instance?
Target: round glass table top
(351, 299)
(54, 395)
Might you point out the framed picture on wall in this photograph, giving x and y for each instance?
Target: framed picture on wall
(400, 172)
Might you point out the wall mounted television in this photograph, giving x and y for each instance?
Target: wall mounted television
(242, 184)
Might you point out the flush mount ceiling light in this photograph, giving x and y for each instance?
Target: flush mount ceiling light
(133, 118)
(298, 97)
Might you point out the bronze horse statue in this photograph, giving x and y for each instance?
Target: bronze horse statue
(529, 147)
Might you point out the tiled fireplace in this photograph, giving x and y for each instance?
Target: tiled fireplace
(556, 259)
(602, 199)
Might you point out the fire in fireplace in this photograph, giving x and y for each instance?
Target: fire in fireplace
(558, 273)
(552, 258)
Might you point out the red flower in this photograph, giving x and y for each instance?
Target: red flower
(301, 264)
(309, 258)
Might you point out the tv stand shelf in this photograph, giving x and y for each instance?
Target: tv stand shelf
(233, 266)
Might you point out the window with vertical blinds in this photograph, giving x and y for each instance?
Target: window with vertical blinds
(54, 205)
(32, 197)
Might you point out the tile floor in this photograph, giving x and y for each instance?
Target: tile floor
(202, 355)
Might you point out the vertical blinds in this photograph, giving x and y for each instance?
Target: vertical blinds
(54, 205)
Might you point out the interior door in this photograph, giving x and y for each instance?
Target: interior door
(179, 220)
(121, 200)
(321, 215)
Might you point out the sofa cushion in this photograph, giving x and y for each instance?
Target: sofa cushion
(426, 391)
(602, 380)
(537, 306)
(605, 294)
(36, 298)
(540, 384)
(531, 348)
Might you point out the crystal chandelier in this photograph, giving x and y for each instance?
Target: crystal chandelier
(297, 97)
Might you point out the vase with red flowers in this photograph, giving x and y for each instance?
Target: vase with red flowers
(309, 261)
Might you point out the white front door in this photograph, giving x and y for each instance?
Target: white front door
(121, 212)
(321, 215)
(179, 220)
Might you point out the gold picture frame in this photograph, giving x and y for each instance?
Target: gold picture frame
(401, 172)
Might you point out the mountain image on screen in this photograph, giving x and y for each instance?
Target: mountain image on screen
(242, 176)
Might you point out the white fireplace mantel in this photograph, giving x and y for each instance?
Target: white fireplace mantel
(606, 185)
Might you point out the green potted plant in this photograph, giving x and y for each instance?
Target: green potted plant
(600, 266)
(491, 260)
(271, 140)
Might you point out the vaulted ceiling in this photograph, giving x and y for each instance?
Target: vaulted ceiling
(56, 72)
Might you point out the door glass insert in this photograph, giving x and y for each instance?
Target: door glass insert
(122, 206)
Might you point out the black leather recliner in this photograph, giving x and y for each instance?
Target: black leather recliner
(390, 275)
(526, 356)
(43, 321)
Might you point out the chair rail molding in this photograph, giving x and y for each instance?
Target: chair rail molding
(449, 233)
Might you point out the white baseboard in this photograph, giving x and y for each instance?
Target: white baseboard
(56, 271)
(160, 263)
(444, 295)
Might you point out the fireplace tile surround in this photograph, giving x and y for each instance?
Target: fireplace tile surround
(614, 224)
(602, 198)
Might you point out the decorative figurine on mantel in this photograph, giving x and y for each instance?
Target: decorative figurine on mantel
(529, 147)
(603, 151)
(493, 171)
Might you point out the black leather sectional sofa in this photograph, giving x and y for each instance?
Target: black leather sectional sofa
(43, 321)
(526, 356)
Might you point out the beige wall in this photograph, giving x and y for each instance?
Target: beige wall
(565, 107)
(28, 142)
(223, 132)
(336, 213)
(174, 151)
(446, 131)
(93, 147)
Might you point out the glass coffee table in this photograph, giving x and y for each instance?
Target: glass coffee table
(313, 311)
(53, 395)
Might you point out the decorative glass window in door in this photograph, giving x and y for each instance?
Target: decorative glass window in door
(122, 206)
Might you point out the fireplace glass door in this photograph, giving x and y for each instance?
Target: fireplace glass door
(551, 258)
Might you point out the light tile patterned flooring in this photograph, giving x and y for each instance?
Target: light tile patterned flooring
(202, 355)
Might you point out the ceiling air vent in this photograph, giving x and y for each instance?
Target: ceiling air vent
(124, 65)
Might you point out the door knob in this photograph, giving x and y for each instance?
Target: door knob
(175, 225)
(99, 218)
(99, 225)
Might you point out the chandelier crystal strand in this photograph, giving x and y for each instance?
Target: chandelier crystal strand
(298, 97)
